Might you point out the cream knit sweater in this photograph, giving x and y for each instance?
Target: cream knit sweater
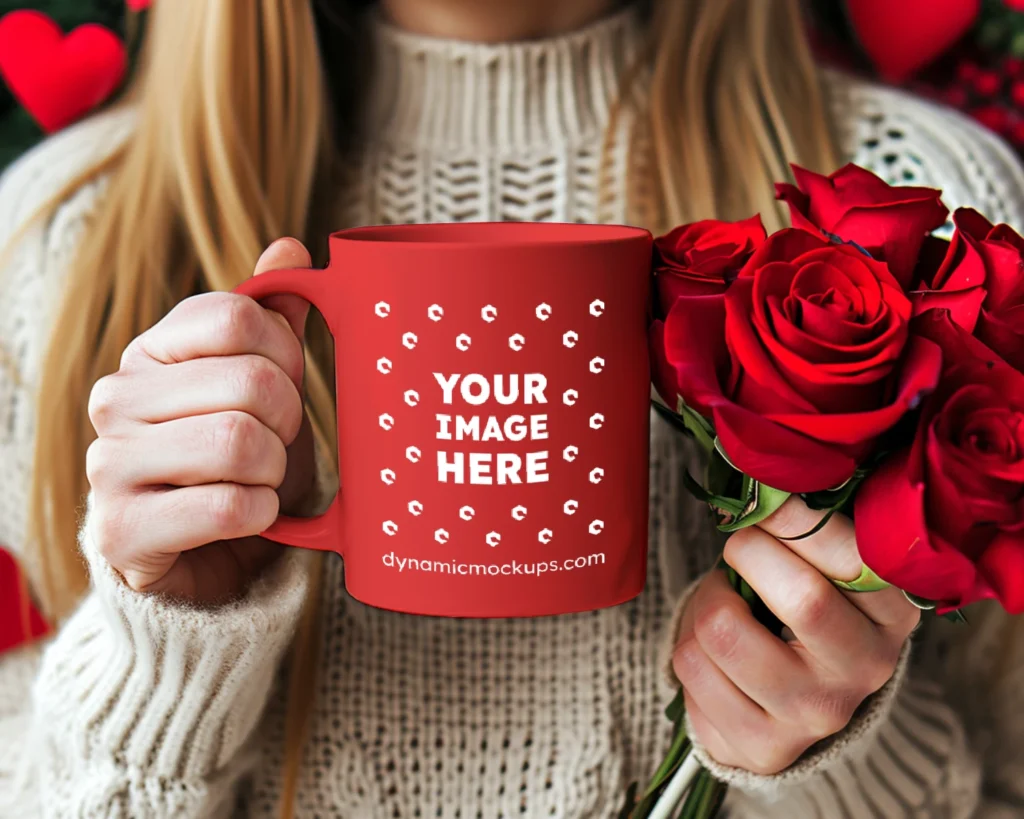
(141, 707)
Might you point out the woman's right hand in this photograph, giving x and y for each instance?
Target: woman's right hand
(202, 439)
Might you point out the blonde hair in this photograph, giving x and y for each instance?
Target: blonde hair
(730, 96)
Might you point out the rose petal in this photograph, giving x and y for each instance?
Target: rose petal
(1001, 250)
(848, 271)
(750, 357)
(703, 258)
(777, 456)
(820, 361)
(893, 537)
(919, 374)
(890, 221)
(1007, 235)
(673, 285)
(784, 245)
(831, 380)
(1002, 567)
(853, 183)
(820, 329)
(821, 338)
(963, 305)
(897, 230)
(690, 351)
(1004, 333)
(871, 345)
(963, 265)
(1005, 274)
(798, 204)
(663, 375)
(944, 501)
(958, 346)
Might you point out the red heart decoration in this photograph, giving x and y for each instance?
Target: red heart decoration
(20, 621)
(903, 36)
(139, 5)
(58, 78)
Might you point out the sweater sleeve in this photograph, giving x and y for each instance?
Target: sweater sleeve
(139, 706)
(18, 796)
(143, 707)
(904, 754)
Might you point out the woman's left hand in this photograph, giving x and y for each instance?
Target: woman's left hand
(756, 701)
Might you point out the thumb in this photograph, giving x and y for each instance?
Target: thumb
(286, 253)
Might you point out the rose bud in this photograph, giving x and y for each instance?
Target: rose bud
(703, 258)
(944, 518)
(889, 222)
(802, 364)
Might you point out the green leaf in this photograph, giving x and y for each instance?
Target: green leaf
(704, 799)
(747, 592)
(720, 449)
(956, 616)
(748, 488)
(728, 506)
(674, 710)
(673, 419)
(922, 603)
(722, 478)
(697, 424)
(838, 496)
(762, 501)
(689, 421)
(867, 581)
(694, 797)
(673, 759)
(757, 500)
(712, 798)
(681, 746)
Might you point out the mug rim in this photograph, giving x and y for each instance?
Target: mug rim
(475, 234)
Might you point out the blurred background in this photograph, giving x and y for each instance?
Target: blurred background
(968, 54)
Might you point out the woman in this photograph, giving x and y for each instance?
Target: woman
(201, 671)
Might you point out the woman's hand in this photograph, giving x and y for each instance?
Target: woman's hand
(756, 701)
(202, 437)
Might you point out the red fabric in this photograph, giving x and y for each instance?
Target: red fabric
(58, 78)
(901, 37)
(20, 620)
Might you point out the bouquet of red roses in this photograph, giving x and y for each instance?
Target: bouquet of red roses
(862, 362)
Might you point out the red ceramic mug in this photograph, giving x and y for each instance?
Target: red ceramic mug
(493, 400)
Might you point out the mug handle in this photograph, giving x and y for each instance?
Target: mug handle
(323, 531)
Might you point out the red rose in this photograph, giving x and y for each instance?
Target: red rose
(1001, 324)
(951, 275)
(944, 518)
(1002, 327)
(802, 364)
(855, 205)
(703, 258)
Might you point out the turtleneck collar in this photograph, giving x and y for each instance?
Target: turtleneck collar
(453, 94)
